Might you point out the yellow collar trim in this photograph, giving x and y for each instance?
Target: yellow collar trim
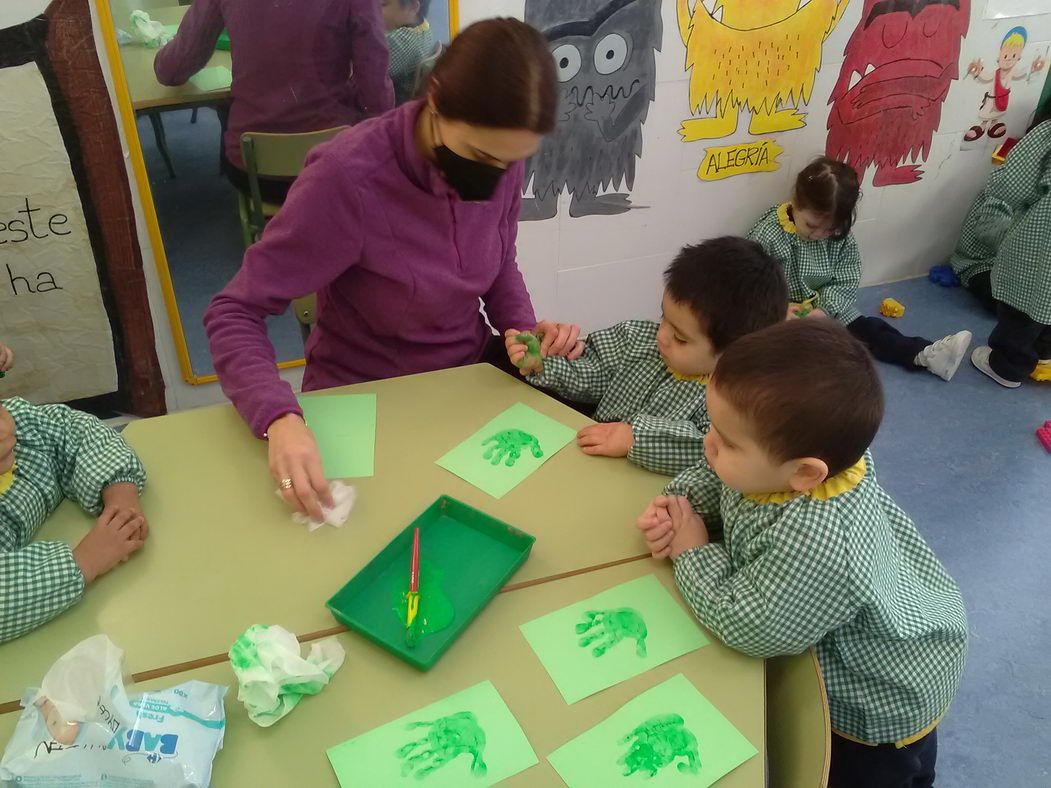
(784, 219)
(702, 379)
(7, 478)
(422, 28)
(830, 488)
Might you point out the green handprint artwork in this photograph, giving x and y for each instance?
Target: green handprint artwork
(606, 628)
(507, 447)
(447, 739)
(532, 359)
(658, 742)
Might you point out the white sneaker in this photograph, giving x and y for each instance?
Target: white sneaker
(980, 359)
(943, 357)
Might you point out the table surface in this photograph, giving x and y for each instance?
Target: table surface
(146, 92)
(223, 553)
(373, 688)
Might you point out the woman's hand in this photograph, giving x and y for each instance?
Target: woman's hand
(560, 339)
(294, 457)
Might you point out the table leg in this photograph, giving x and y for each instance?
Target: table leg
(162, 142)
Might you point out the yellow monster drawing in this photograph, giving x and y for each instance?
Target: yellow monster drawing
(758, 54)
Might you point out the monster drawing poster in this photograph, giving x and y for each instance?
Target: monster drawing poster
(605, 55)
(887, 103)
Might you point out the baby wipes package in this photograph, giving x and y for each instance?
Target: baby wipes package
(82, 729)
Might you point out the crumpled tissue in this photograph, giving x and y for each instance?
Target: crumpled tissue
(272, 676)
(149, 32)
(343, 497)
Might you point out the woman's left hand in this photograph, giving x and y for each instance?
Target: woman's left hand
(560, 339)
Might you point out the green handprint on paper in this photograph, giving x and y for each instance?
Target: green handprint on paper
(509, 444)
(658, 742)
(606, 628)
(447, 739)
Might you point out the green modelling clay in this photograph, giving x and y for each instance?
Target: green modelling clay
(436, 611)
(658, 742)
(532, 358)
(509, 444)
(606, 628)
(447, 739)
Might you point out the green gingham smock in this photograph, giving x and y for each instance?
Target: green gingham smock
(973, 255)
(59, 453)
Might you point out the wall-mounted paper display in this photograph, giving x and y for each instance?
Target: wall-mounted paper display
(730, 160)
(758, 57)
(1013, 65)
(605, 57)
(887, 104)
(51, 302)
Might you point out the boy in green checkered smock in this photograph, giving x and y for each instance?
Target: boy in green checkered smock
(784, 540)
(648, 378)
(410, 42)
(1020, 344)
(49, 453)
(972, 259)
(810, 237)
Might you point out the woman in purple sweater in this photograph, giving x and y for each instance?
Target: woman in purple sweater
(401, 225)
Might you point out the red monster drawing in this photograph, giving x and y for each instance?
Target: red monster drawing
(887, 103)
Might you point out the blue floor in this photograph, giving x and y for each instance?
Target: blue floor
(963, 460)
(197, 213)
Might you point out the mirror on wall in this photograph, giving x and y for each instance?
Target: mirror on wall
(199, 220)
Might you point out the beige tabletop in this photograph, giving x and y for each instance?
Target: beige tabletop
(146, 92)
(223, 553)
(373, 688)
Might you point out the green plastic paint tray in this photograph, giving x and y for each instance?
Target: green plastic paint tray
(466, 557)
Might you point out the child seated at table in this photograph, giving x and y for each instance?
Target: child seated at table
(649, 378)
(813, 552)
(410, 41)
(49, 453)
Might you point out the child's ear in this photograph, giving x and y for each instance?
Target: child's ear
(808, 474)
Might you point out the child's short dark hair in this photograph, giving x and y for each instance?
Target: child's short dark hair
(731, 285)
(831, 188)
(421, 15)
(808, 388)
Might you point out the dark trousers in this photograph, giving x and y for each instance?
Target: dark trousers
(495, 354)
(886, 343)
(1018, 342)
(857, 765)
(981, 287)
(272, 190)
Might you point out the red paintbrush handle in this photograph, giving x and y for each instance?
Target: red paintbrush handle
(414, 571)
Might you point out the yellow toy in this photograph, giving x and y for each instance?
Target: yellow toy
(1042, 373)
(891, 308)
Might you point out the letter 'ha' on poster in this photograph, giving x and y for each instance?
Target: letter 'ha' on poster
(52, 312)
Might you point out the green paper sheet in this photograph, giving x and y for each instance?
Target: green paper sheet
(519, 436)
(614, 635)
(670, 735)
(345, 428)
(212, 78)
(407, 751)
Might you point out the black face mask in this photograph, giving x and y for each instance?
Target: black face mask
(472, 180)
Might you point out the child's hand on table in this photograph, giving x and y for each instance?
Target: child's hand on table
(656, 526)
(117, 534)
(7, 358)
(120, 503)
(688, 529)
(607, 440)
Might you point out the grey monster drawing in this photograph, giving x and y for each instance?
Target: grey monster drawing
(605, 55)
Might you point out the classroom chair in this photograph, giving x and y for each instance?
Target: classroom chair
(276, 156)
(798, 732)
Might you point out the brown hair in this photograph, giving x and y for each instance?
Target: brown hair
(731, 285)
(831, 188)
(808, 388)
(497, 73)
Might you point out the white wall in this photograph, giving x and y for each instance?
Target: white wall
(598, 270)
